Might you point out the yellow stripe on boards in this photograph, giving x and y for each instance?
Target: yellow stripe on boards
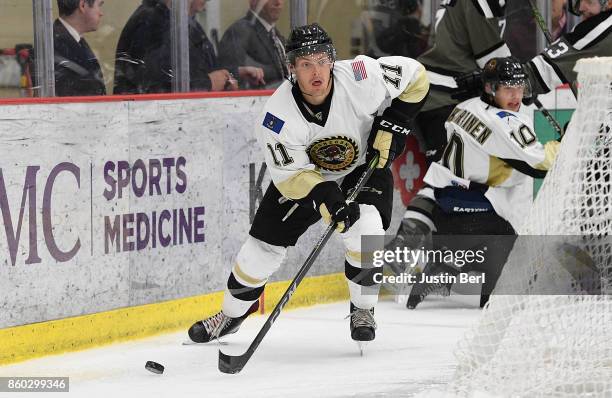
(312, 291)
(25, 342)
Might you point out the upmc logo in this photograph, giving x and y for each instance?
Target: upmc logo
(13, 223)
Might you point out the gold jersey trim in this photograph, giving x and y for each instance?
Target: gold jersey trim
(418, 89)
(551, 149)
(300, 184)
(499, 171)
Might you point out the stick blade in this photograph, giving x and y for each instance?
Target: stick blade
(231, 364)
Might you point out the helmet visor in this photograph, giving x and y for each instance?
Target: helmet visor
(327, 49)
(516, 83)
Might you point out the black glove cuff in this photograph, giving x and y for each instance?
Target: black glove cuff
(327, 192)
(404, 112)
(391, 125)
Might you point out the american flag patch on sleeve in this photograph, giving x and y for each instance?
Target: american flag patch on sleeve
(359, 70)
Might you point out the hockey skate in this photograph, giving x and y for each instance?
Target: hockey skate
(421, 290)
(363, 326)
(217, 326)
(412, 234)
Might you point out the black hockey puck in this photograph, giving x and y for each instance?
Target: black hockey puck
(154, 367)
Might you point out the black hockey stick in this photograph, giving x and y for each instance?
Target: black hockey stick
(234, 364)
(540, 21)
(553, 122)
(542, 24)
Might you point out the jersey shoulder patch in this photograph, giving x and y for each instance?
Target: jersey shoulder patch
(359, 70)
(273, 123)
(503, 114)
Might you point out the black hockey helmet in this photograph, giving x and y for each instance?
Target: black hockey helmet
(574, 6)
(506, 71)
(309, 39)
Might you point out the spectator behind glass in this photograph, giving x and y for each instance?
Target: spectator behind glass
(254, 40)
(521, 30)
(559, 18)
(143, 57)
(395, 28)
(77, 71)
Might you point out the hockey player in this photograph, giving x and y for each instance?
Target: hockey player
(394, 27)
(316, 132)
(468, 34)
(483, 184)
(591, 37)
(555, 65)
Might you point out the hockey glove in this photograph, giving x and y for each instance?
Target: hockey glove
(343, 214)
(388, 137)
(469, 85)
(329, 200)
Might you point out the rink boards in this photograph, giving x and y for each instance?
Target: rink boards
(121, 219)
(108, 206)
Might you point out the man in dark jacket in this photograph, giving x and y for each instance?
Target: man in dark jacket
(143, 56)
(395, 28)
(77, 71)
(254, 40)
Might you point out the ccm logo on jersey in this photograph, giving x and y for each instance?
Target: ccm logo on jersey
(394, 127)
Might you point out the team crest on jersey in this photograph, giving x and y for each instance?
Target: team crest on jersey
(333, 153)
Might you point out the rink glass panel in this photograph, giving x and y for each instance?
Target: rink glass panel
(15, 29)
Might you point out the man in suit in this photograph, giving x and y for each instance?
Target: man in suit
(255, 40)
(143, 60)
(77, 71)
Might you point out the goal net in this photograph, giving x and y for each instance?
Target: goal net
(532, 341)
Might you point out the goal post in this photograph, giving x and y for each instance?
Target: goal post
(531, 344)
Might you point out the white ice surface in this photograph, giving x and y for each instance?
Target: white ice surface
(307, 353)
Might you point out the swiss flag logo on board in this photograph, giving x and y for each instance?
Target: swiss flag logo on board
(409, 169)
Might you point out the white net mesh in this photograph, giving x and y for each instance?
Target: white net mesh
(531, 345)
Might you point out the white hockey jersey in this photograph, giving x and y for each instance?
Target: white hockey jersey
(300, 154)
(483, 141)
